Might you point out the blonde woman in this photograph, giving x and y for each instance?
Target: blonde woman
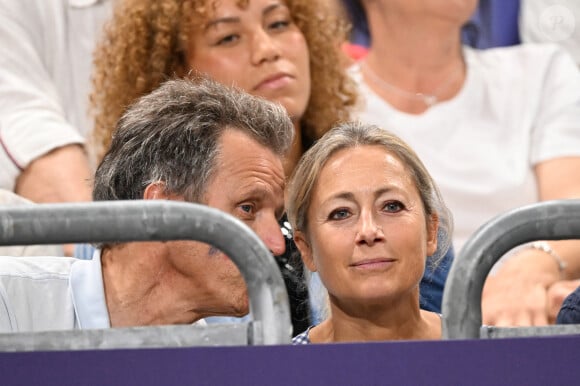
(366, 213)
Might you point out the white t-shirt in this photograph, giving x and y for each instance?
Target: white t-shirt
(551, 21)
(519, 106)
(45, 69)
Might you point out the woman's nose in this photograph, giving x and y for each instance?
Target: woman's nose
(369, 230)
(264, 47)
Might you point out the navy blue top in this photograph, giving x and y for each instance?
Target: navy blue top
(570, 310)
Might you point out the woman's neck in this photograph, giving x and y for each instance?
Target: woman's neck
(414, 56)
(399, 321)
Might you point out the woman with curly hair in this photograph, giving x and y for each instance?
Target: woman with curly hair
(286, 51)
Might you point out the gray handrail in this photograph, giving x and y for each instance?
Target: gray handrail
(156, 220)
(548, 220)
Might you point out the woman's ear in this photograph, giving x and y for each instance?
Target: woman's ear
(432, 228)
(305, 250)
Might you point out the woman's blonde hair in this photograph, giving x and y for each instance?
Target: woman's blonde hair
(146, 43)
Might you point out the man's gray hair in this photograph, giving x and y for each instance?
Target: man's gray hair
(172, 135)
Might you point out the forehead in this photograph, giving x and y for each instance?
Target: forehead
(241, 154)
(364, 166)
(209, 10)
(216, 6)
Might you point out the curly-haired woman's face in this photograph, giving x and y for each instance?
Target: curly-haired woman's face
(257, 48)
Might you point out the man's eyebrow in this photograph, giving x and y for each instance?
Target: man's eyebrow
(259, 194)
(254, 192)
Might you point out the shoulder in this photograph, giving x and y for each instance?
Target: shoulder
(433, 325)
(523, 73)
(8, 197)
(36, 267)
(537, 57)
(302, 338)
(354, 71)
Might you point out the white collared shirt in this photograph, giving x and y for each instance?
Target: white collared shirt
(51, 293)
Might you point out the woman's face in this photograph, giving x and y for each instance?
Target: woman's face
(368, 235)
(257, 48)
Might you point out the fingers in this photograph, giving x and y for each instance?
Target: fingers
(519, 293)
(503, 306)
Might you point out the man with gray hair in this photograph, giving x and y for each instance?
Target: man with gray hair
(194, 141)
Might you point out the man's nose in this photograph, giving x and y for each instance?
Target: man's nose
(272, 236)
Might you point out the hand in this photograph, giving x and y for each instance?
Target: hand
(518, 294)
(557, 292)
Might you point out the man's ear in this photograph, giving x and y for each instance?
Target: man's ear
(305, 250)
(432, 228)
(155, 191)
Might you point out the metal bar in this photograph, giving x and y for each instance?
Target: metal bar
(492, 332)
(157, 220)
(170, 336)
(548, 220)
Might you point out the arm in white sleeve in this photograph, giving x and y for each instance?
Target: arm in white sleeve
(32, 118)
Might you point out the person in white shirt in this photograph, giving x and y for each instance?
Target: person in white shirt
(195, 141)
(45, 70)
(551, 21)
(498, 129)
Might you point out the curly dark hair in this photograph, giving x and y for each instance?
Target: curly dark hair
(146, 43)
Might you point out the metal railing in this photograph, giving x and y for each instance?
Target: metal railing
(461, 307)
(154, 220)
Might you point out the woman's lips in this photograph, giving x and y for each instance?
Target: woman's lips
(373, 264)
(274, 82)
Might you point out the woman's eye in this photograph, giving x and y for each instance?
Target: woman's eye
(280, 24)
(226, 40)
(393, 206)
(338, 214)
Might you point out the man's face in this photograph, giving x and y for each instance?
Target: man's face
(248, 184)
